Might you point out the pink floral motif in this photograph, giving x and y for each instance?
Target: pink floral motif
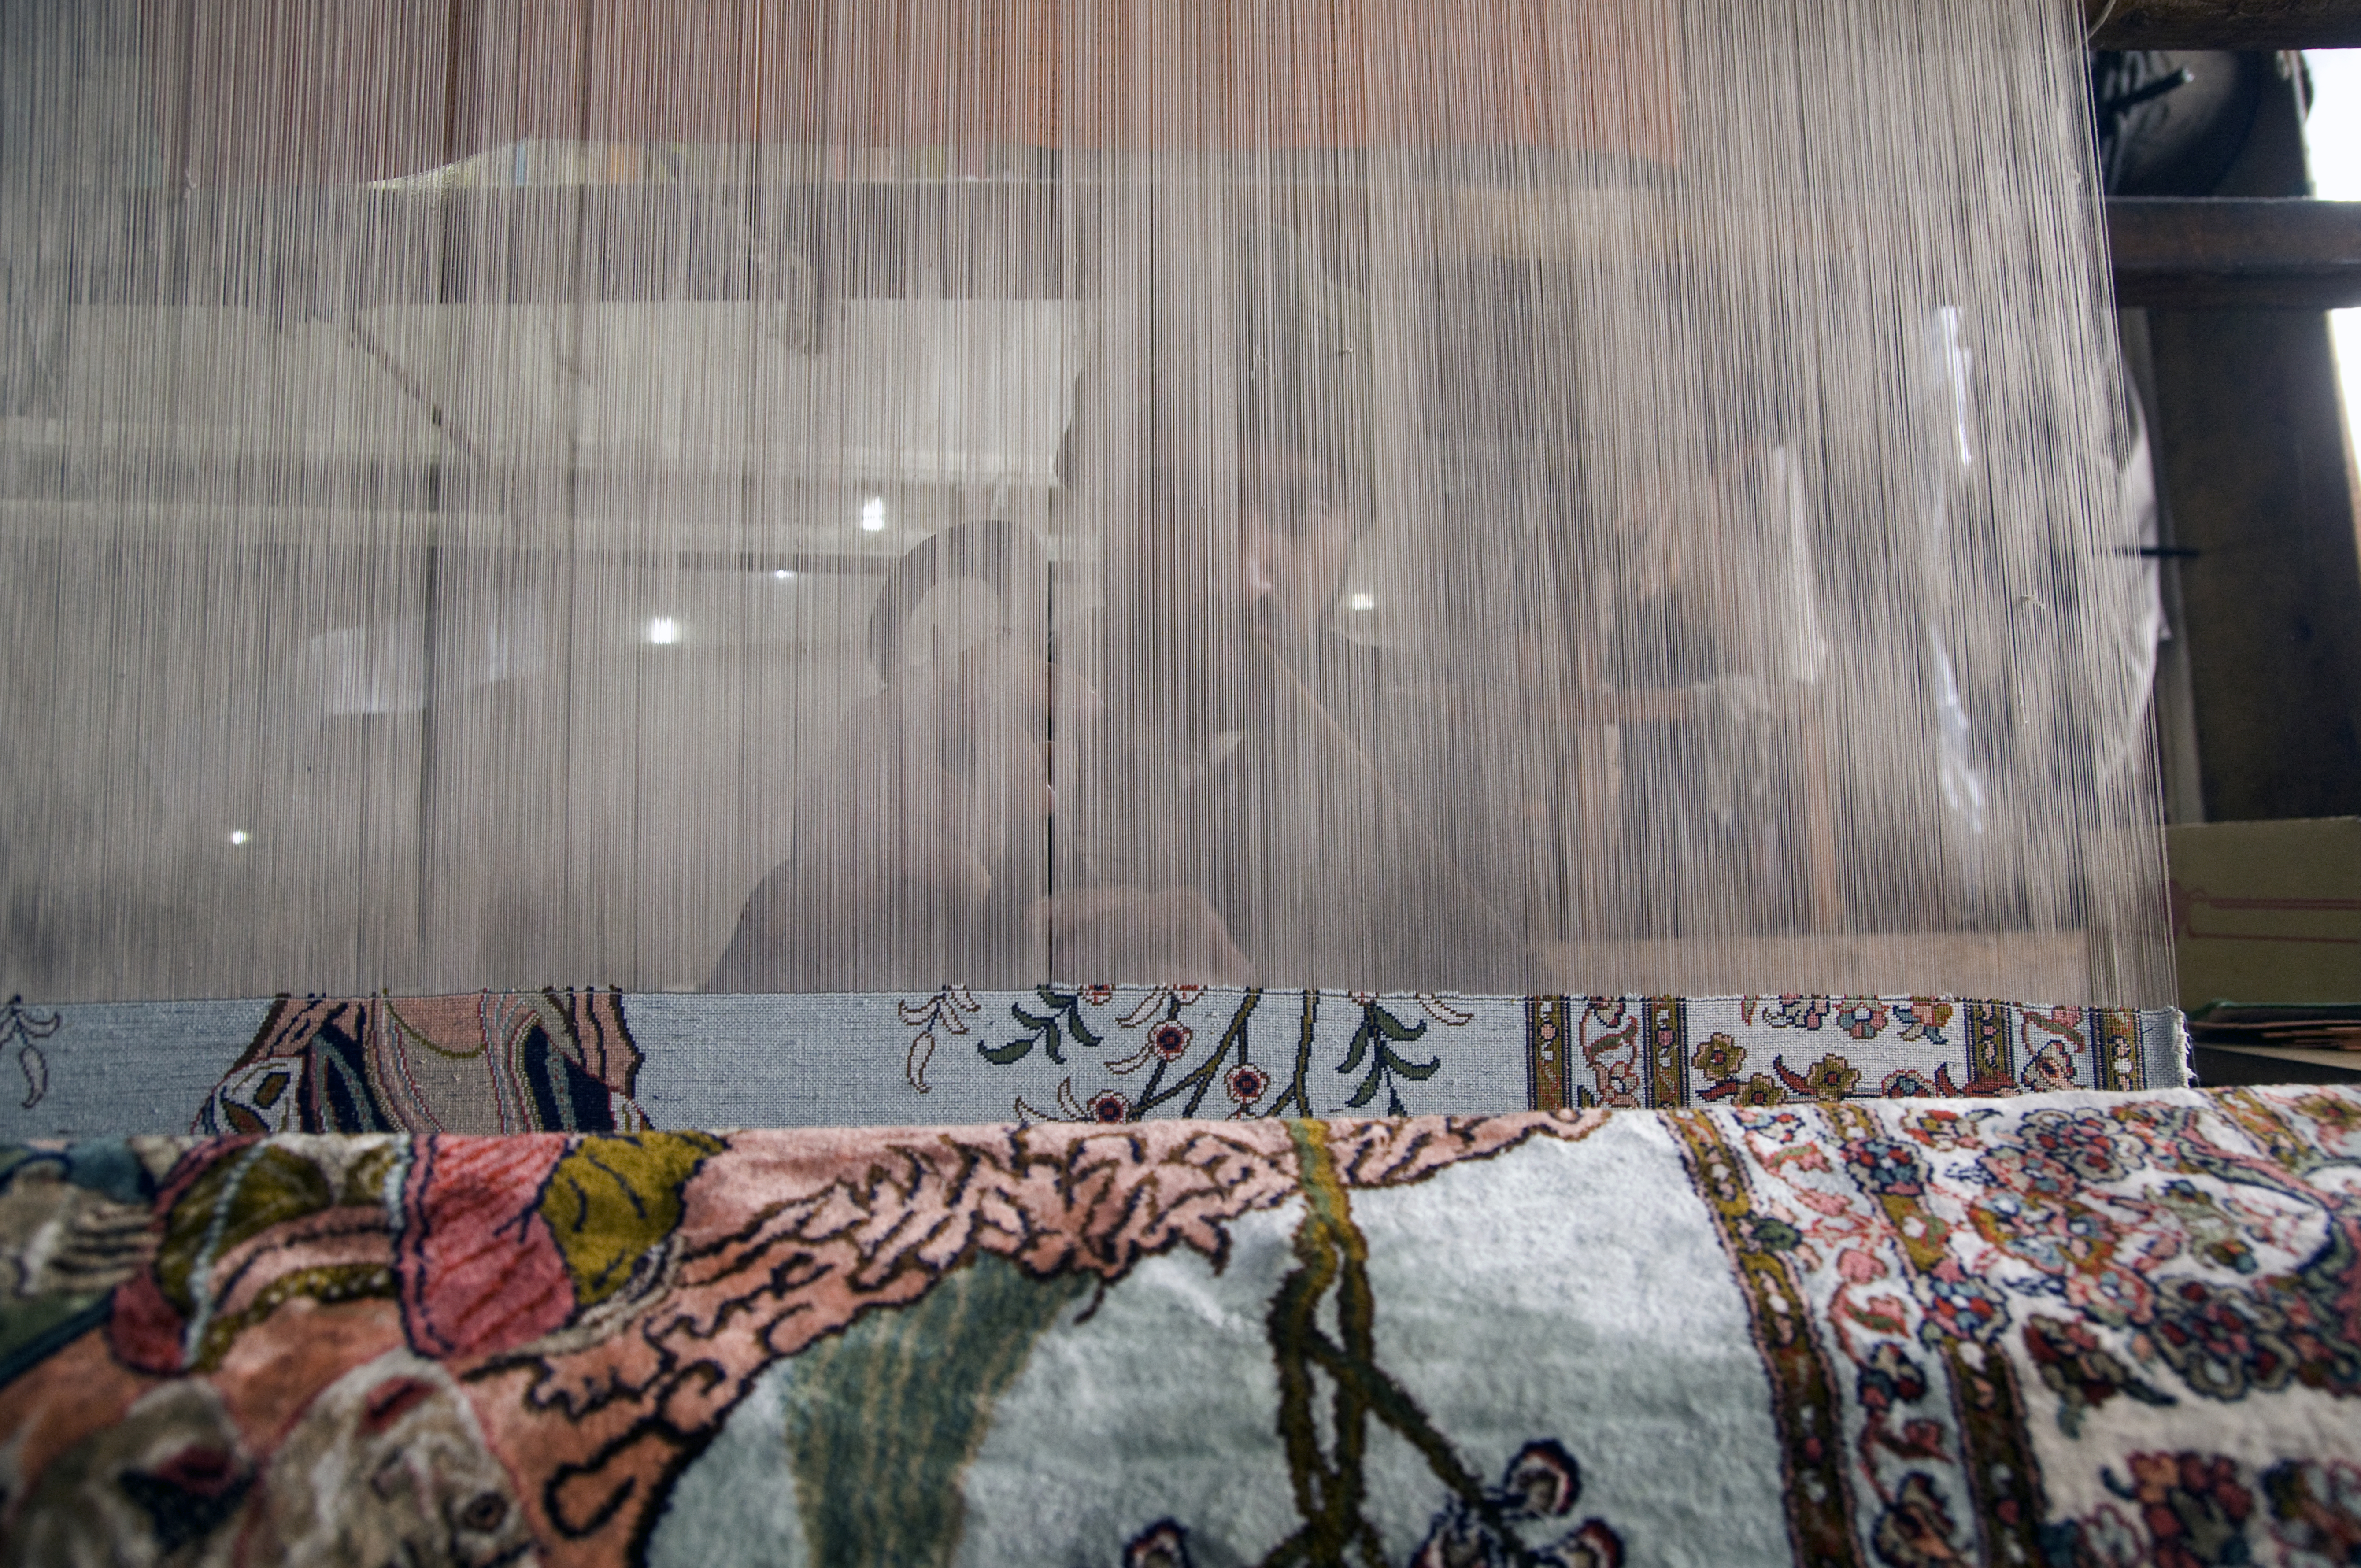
(1863, 1017)
(1924, 1018)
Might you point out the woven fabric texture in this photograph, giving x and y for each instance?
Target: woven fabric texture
(606, 1061)
(2060, 1328)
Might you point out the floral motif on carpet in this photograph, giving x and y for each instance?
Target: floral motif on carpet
(2060, 1329)
(599, 1061)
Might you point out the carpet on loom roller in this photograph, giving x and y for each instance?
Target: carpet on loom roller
(2060, 1328)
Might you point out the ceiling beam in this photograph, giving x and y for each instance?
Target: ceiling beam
(2223, 24)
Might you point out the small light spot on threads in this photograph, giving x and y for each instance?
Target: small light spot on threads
(1362, 601)
(240, 836)
(664, 631)
(872, 515)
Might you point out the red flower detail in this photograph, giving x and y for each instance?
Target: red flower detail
(1170, 1040)
(1109, 1107)
(1247, 1084)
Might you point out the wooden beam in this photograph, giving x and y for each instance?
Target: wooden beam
(2223, 24)
(2219, 1067)
(2210, 253)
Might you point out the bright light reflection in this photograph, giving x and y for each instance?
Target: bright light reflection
(784, 575)
(1362, 601)
(240, 836)
(872, 515)
(663, 630)
(2332, 135)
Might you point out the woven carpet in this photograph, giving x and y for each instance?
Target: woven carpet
(610, 1061)
(2070, 1328)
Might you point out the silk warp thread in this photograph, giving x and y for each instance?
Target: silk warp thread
(1509, 496)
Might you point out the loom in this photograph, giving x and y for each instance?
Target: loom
(1405, 748)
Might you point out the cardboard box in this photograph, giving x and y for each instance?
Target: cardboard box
(2266, 912)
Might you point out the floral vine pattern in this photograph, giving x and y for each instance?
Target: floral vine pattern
(25, 1028)
(586, 1059)
(1178, 1061)
(949, 1010)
